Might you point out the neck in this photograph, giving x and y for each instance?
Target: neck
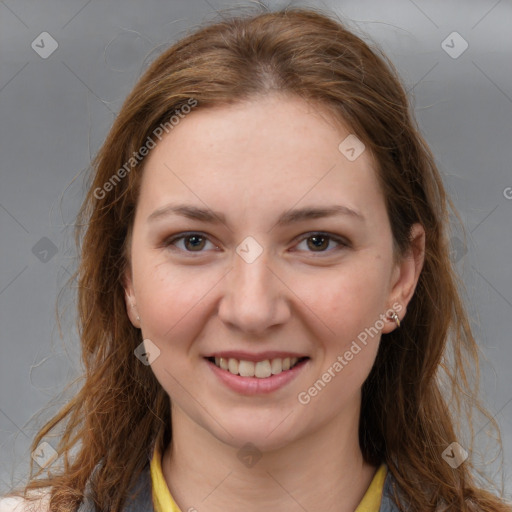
(323, 470)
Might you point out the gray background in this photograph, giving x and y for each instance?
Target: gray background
(56, 111)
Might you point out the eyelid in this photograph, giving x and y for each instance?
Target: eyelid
(185, 234)
(335, 238)
(304, 236)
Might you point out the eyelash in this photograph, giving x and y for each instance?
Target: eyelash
(342, 243)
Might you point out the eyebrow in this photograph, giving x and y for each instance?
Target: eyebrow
(287, 217)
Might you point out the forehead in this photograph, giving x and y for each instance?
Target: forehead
(271, 149)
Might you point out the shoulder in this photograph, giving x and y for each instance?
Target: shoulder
(19, 504)
(16, 504)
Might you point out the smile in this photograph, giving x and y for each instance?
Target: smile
(267, 373)
(260, 369)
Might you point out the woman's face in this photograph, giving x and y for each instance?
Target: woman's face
(226, 263)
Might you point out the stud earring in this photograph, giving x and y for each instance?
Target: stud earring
(394, 317)
(138, 317)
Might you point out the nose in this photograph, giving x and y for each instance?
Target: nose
(255, 297)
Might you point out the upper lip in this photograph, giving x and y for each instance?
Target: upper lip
(260, 356)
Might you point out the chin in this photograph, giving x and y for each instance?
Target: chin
(264, 433)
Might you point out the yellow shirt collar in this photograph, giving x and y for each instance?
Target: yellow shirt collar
(164, 502)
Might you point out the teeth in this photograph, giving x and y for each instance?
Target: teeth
(246, 369)
(233, 366)
(261, 369)
(276, 366)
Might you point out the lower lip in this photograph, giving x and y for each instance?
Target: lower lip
(255, 385)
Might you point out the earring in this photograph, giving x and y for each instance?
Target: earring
(394, 317)
(138, 317)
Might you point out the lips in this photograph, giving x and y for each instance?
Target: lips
(254, 378)
(261, 365)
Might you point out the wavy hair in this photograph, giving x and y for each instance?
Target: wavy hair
(425, 377)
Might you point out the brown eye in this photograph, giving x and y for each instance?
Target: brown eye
(319, 242)
(195, 242)
(192, 242)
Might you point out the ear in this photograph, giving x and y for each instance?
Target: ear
(405, 276)
(129, 297)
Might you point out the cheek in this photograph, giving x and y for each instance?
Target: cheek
(173, 308)
(350, 299)
(169, 300)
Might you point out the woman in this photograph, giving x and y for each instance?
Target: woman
(266, 300)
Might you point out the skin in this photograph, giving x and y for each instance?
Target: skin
(253, 161)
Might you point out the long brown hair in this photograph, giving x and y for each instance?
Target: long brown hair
(425, 377)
